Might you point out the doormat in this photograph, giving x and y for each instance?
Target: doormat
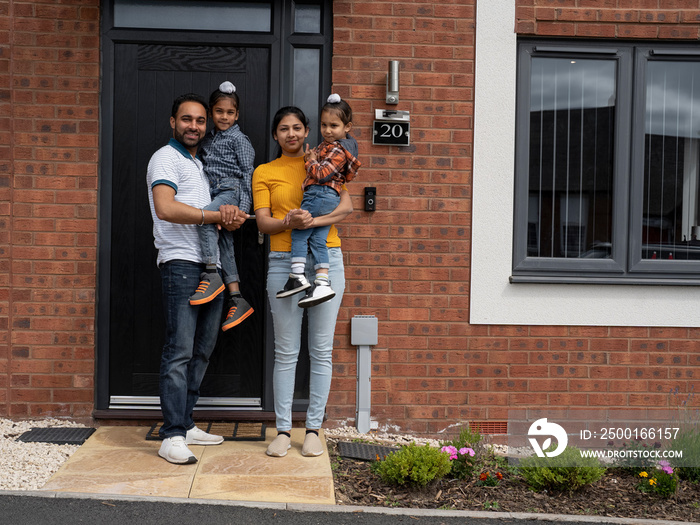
(364, 451)
(231, 431)
(57, 436)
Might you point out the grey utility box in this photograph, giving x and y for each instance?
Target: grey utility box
(364, 330)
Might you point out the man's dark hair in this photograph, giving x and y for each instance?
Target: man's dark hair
(188, 97)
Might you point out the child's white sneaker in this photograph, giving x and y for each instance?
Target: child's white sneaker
(320, 292)
(296, 283)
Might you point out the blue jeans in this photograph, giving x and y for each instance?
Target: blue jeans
(318, 200)
(190, 336)
(286, 317)
(209, 234)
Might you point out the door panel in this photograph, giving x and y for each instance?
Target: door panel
(150, 77)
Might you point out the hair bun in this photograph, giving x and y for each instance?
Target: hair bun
(334, 98)
(227, 87)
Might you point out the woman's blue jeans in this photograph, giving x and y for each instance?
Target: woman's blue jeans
(190, 337)
(287, 317)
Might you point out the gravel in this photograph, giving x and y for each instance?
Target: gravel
(28, 466)
(378, 437)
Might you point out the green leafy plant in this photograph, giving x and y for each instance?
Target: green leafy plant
(566, 472)
(660, 482)
(687, 441)
(462, 450)
(491, 505)
(462, 461)
(466, 438)
(688, 438)
(413, 465)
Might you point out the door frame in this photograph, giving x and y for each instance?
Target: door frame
(281, 42)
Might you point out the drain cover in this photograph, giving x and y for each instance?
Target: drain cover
(364, 450)
(57, 436)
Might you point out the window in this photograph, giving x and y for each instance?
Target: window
(208, 15)
(607, 161)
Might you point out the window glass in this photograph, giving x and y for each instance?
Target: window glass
(570, 180)
(307, 18)
(671, 136)
(201, 15)
(307, 72)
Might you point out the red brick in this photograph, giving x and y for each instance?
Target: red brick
(680, 32)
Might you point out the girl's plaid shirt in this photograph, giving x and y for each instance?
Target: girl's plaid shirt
(335, 166)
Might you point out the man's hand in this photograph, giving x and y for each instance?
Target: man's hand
(232, 217)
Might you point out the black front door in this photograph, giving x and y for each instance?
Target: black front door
(150, 77)
(275, 53)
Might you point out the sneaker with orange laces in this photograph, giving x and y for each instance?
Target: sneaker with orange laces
(210, 285)
(238, 311)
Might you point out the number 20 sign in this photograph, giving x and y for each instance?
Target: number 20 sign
(392, 131)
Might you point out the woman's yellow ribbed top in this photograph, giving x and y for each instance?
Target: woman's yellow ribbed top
(277, 185)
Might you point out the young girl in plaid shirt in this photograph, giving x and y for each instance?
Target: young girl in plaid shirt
(328, 167)
(228, 157)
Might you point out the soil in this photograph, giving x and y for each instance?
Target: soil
(614, 495)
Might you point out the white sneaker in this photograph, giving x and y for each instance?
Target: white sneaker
(319, 293)
(196, 436)
(175, 450)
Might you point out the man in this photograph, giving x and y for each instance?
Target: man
(178, 192)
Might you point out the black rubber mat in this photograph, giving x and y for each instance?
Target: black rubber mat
(57, 436)
(364, 451)
(231, 431)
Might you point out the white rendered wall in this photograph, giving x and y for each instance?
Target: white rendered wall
(493, 300)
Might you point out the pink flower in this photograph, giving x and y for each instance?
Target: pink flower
(666, 466)
(466, 450)
(451, 450)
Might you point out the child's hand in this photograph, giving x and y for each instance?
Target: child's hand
(232, 217)
(310, 154)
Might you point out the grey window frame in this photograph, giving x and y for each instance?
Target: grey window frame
(625, 265)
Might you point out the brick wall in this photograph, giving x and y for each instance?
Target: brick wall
(408, 262)
(49, 82)
(665, 19)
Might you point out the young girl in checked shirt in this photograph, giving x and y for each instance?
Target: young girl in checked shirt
(228, 157)
(330, 165)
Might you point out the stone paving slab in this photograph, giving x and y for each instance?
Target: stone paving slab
(119, 460)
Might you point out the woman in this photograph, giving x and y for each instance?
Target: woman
(277, 194)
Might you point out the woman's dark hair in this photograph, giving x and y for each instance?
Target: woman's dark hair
(217, 95)
(342, 109)
(188, 97)
(283, 112)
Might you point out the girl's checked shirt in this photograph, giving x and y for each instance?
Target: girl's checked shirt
(227, 154)
(334, 166)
